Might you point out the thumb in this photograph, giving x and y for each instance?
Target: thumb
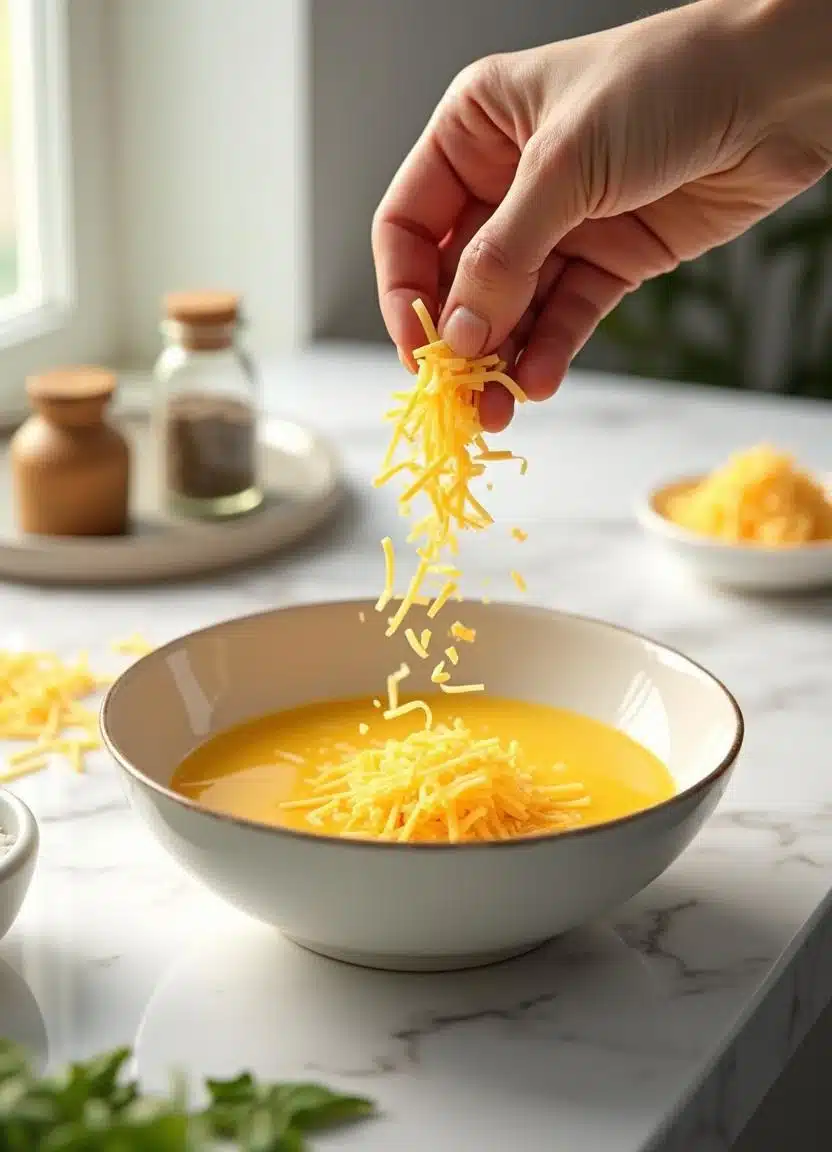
(497, 274)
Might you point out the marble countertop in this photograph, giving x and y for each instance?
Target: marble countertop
(660, 1028)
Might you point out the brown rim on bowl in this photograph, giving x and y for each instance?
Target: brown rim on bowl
(670, 528)
(517, 843)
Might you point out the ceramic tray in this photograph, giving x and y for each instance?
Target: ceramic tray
(300, 476)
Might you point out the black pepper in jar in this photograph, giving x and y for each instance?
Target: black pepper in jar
(211, 445)
(208, 413)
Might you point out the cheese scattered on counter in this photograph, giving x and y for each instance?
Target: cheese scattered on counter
(41, 706)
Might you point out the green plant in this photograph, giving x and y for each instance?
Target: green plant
(91, 1107)
(701, 323)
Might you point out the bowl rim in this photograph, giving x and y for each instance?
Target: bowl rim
(516, 843)
(26, 840)
(652, 519)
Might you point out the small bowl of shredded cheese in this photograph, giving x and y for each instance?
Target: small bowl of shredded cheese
(758, 522)
(18, 854)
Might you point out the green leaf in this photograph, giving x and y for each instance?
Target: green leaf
(312, 1106)
(241, 1090)
(90, 1108)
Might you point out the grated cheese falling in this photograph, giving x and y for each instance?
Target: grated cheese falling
(441, 785)
(437, 423)
(518, 580)
(438, 783)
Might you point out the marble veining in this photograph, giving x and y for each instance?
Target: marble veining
(659, 1028)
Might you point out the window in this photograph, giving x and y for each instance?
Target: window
(35, 288)
(8, 206)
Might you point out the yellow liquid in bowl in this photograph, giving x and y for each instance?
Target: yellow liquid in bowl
(250, 770)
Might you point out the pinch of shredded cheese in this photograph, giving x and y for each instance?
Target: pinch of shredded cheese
(441, 785)
(437, 424)
(759, 497)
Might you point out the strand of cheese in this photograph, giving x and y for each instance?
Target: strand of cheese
(440, 785)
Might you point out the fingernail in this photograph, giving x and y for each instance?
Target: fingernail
(466, 332)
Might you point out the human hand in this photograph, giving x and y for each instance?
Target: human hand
(549, 183)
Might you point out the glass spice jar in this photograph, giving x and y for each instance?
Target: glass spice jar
(206, 409)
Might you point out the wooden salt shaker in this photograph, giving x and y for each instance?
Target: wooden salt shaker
(70, 468)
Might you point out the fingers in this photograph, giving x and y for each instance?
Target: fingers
(417, 213)
(496, 408)
(499, 268)
(578, 301)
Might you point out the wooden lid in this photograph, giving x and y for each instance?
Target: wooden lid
(202, 309)
(81, 383)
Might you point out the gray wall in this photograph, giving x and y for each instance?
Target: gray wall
(378, 69)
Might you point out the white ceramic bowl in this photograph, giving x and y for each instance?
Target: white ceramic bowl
(419, 907)
(17, 863)
(750, 567)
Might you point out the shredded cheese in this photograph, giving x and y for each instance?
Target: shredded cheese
(759, 497)
(460, 632)
(393, 681)
(134, 645)
(519, 535)
(438, 424)
(518, 580)
(41, 706)
(416, 644)
(441, 785)
(452, 654)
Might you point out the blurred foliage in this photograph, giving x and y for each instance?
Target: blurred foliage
(708, 321)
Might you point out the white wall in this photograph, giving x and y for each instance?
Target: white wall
(208, 161)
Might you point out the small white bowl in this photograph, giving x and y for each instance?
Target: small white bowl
(419, 907)
(749, 567)
(18, 862)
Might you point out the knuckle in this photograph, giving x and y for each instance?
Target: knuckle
(477, 79)
(486, 263)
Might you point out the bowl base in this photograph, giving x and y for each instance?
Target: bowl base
(396, 962)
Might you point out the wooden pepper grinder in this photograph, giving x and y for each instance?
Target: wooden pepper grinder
(70, 468)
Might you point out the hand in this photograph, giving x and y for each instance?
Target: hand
(549, 183)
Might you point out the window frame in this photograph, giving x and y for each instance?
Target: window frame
(45, 298)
